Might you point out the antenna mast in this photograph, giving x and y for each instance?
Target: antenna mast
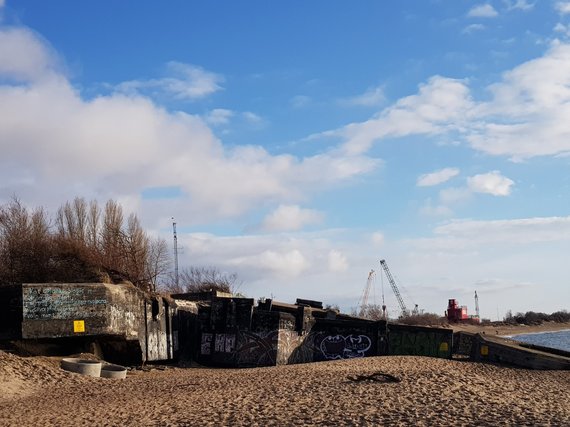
(477, 305)
(175, 252)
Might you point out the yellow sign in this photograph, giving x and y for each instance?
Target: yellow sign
(443, 346)
(484, 350)
(78, 326)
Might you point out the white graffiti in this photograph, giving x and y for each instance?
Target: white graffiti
(345, 347)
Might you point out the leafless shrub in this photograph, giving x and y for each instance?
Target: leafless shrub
(158, 261)
(87, 244)
(369, 311)
(199, 279)
(24, 243)
(423, 319)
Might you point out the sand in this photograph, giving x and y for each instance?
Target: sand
(430, 392)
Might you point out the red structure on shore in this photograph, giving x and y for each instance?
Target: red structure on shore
(455, 312)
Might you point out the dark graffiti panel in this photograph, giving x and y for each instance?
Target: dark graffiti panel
(344, 347)
(420, 342)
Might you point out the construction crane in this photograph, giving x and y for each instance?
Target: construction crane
(477, 305)
(363, 302)
(405, 311)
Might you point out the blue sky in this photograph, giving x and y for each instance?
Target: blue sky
(298, 143)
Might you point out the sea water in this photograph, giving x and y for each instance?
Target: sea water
(559, 340)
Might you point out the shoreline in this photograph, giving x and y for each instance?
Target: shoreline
(511, 330)
(536, 333)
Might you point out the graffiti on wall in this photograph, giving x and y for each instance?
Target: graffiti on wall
(344, 347)
(206, 344)
(419, 343)
(62, 302)
(257, 348)
(225, 343)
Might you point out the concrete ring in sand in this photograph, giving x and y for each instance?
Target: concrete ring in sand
(113, 371)
(87, 367)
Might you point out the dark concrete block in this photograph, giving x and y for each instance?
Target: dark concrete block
(343, 339)
(420, 341)
(10, 312)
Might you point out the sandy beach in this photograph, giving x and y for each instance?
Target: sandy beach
(430, 392)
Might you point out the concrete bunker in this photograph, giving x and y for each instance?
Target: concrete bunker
(118, 322)
(124, 325)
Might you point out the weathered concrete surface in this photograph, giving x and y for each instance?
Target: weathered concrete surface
(506, 351)
(10, 313)
(234, 333)
(118, 320)
(336, 339)
(86, 309)
(419, 341)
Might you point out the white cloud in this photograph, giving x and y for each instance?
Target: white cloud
(528, 115)
(2, 3)
(459, 257)
(117, 145)
(429, 209)
(219, 116)
(252, 117)
(187, 82)
(290, 218)
(378, 238)
(472, 28)
(563, 7)
(560, 28)
(514, 231)
(337, 261)
(259, 258)
(447, 198)
(440, 105)
(454, 195)
(491, 183)
(288, 264)
(482, 11)
(25, 57)
(300, 101)
(373, 96)
(437, 177)
(523, 5)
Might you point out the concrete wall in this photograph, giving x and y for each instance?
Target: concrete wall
(234, 333)
(119, 320)
(161, 330)
(499, 350)
(420, 341)
(68, 310)
(10, 313)
(221, 332)
(334, 339)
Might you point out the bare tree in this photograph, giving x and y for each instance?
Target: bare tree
(199, 279)
(136, 250)
(72, 220)
(158, 261)
(112, 237)
(24, 243)
(87, 245)
(370, 311)
(93, 224)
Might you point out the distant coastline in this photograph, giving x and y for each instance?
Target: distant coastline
(511, 330)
